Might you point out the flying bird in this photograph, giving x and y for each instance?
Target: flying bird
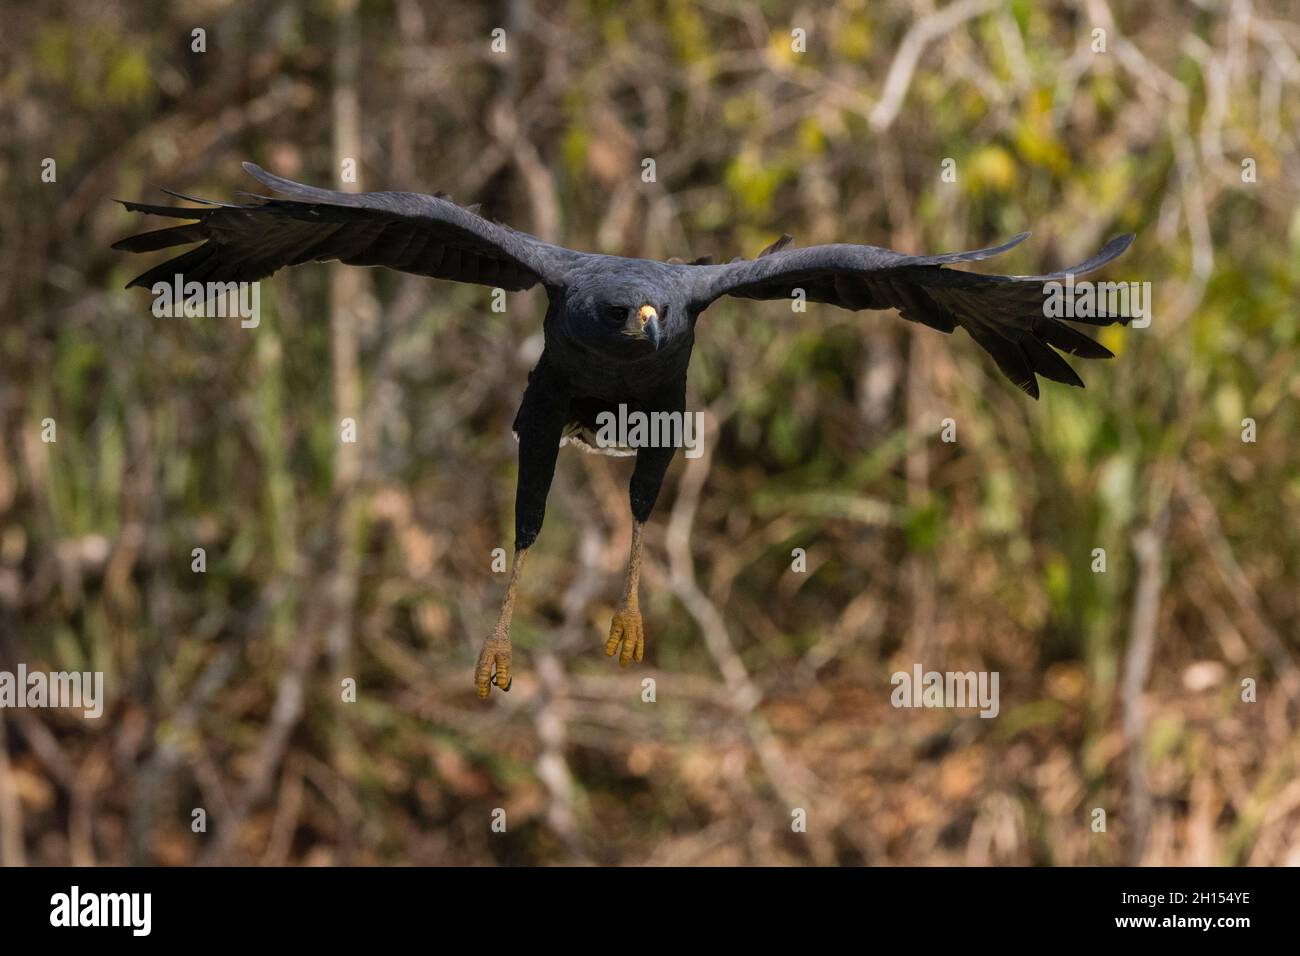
(618, 331)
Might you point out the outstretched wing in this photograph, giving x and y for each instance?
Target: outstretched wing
(411, 232)
(1006, 315)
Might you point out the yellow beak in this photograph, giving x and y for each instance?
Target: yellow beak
(648, 320)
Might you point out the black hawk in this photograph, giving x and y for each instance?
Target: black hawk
(618, 331)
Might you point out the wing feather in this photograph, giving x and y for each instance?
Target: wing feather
(410, 232)
(1006, 315)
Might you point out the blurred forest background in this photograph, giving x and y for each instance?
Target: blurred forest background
(1120, 690)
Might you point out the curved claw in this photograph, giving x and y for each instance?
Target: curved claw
(628, 629)
(493, 665)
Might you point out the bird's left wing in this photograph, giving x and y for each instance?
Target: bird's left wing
(1006, 315)
(410, 232)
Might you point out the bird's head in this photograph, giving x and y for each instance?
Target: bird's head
(627, 320)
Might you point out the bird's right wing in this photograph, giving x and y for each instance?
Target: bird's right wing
(410, 232)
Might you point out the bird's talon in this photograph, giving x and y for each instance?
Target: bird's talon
(493, 665)
(626, 628)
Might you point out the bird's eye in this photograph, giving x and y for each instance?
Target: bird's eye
(615, 314)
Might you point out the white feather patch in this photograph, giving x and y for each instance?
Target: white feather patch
(582, 437)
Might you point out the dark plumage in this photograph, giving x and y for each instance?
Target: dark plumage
(617, 331)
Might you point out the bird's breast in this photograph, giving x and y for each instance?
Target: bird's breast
(588, 371)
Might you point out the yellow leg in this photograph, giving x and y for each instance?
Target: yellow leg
(626, 627)
(496, 647)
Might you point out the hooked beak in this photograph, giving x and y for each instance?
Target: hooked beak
(649, 321)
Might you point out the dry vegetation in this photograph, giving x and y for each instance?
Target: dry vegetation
(1119, 690)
